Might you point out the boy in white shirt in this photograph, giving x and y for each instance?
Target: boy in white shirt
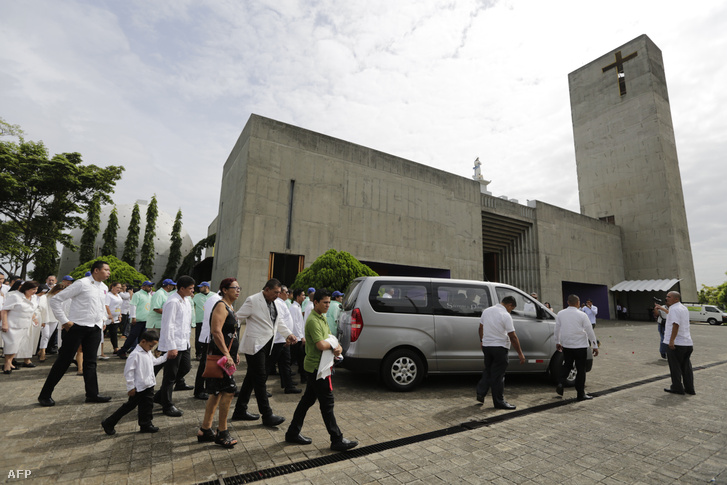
(140, 382)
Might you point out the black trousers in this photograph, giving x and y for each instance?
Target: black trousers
(680, 368)
(125, 321)
(144, 399)
(255, 379)
(113, 331)
(199, 381)
(281, 357)
(89, 339)
(493, 377)
(174, 371)
(197, 344)
(322, 391)
(297, 355)
(579, 356)
(136, 330)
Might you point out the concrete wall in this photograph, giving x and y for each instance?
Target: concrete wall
(577, 248)
(627, 162)
(376, 206)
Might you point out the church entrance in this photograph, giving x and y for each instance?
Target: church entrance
(598, 294)
(285, 267)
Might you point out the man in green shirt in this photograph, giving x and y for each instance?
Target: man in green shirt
(334, 311)
(138, 314)
(154, 320)
(317, 341)
(199, 301)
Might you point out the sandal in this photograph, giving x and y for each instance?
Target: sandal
(206, 436)
(224, 439)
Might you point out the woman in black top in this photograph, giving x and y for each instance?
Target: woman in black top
(223, 330)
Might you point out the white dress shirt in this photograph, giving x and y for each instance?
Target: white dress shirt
(204, 334)
(126, 302)
(496, 324)
(573, 329)
(139, 369)
(286, 318)
(88, 303)
(296, 315)
(259, 327)
(591, 312)
(678, 314)
(175, 328)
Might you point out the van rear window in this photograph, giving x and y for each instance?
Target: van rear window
(392, 297)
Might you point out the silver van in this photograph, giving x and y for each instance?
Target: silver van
(404, 328)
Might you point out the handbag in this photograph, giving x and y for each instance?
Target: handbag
(211, 369)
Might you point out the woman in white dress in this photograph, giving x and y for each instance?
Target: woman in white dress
(18, 315)
(113, 314)
(47, 319)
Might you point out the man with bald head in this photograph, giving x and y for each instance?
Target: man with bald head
(679, 340)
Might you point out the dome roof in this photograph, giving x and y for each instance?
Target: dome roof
(162, 239)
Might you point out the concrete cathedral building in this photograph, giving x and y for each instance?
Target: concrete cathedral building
(289, 194)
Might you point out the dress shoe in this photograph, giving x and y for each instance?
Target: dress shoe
(46, 401)
(269, 394)
(273, 420)
(98, 398)
(343, 445)
(108, 428)
(504, 405)
(30, 365)
(183, 387)
(172, 411)
(559, 389)
(149, 428)
(298, 440)
(669, 389)
(584, 397)
(691, 393)
(481, 398)
(292, 390)
(244, 416)
(202, 396)
(121, 355)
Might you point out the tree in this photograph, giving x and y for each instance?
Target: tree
(332, 270)
(714, 295)
(193, 257)
(120, 271)
(90, 229)
(175, 249)
(109, 235)
(146, 263)
(41, 197)
(132, 238)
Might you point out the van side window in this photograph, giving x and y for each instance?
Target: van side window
(392, 297)
(712, 309)
(526, 306)
(461, 300)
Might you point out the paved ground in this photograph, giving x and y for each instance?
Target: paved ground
(636, 435)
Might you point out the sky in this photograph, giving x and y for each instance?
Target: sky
(164, 88)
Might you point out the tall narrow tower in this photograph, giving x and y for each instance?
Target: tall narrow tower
(626, 158)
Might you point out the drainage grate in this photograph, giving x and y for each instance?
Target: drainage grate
(387, 445)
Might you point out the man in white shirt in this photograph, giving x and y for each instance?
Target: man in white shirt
(297, 350)
(679, 340)
(261, 313)
(204, 339)
(497, 332)
(573, 332)
(280, 355)
(82, 326)
(591, 311)
(174, 340)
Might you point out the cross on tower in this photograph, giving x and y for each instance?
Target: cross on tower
(619, 65)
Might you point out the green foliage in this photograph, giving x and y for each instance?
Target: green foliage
(714, 295)
(45, 262)
(90, 229)
(146, 263)
(193, 257)
(120, 271)
(175, 249)
(109, 235)
(132, 238)
(332, 270)
(41, 197)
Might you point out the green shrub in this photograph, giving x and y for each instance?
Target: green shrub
(332, 270)
(120, 271)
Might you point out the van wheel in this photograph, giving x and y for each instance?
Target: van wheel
(555, 369)
(402, 370)
(713, 321)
